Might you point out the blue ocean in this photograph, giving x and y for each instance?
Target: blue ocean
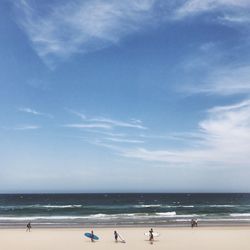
(123, 209)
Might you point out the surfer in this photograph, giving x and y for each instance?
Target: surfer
(151, 236)
(92, 236)
(116, 236)
(196, 222)
(28, 227)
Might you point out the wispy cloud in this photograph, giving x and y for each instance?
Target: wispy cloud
(103, 130)
(79, 114)
(27, 127)
(34, 112)
(193, 7)
(88, 126)
(22, 127)
(111, 123)
(113, 139)
(225, 81)
(116, 123)
(226, 141)
(82, 26)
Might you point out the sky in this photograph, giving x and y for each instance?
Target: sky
(124, 96)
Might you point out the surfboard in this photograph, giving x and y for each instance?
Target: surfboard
(89, 235)
(155, 234)
(121, 238)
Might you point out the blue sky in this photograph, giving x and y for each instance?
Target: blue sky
(132, 95)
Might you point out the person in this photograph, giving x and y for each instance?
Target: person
(28, 227)
(194, 223)
(92, 235)
(116, 236)
(151, 235)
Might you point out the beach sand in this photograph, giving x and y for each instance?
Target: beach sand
(211, 238)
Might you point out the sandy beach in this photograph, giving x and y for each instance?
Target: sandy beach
(170, 238)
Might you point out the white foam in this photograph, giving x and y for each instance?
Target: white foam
(226, 205)
(167, 214)
(240, 215)
(149, 205)
(61, 206)
(38, 206)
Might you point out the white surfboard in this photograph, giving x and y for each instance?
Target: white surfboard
(155, 234)
(121, 238)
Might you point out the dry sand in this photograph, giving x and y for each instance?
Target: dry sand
(228, 238)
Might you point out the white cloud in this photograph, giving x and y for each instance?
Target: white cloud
(113, 139)
(89, 126)
(34, 112)
(116, 123)
(192, 7)
(82, 26)
(226, 141)
(27, 127)
(134, 123)
(81, 115)
(228, 81)
(241, 18)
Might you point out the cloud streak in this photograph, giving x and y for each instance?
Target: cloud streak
(226, 141)
(23, 127)
(110, 123)
(88, 126)
(34, 112)
(85, 26)
(194, 7)
(227, 81)
(27, 127)
(82, 26)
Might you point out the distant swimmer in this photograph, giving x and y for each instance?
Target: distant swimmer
(28, 227)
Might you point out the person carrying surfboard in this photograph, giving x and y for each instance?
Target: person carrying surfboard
(151, 235)
(116, 236)
(28, 227)
(92, 236)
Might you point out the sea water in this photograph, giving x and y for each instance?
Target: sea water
(123, 209)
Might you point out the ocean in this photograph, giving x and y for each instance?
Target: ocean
(123, 209)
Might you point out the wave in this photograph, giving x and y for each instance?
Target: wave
(147, 206)
(240, 215)
(226, 205)
(166, 214)
(92, 216)
(139, 217)
(189, 206)
(38, 206)
(62, 206)
(119, 207)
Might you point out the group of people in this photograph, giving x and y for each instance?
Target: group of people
(116, 235)
(194, 223)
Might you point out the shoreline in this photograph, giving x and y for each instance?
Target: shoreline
(102, 226)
